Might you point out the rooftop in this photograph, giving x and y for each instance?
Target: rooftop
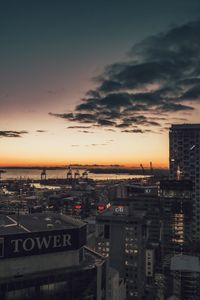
(185, 126)
(173, 297)
(185, 263)
(181, 185)
(121, 213)
(14, 224)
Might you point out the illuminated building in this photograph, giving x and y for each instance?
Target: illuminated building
(43, 256)
(122, 237)
(176, 227)
(176, 203)
(185, 164)
(145, 198)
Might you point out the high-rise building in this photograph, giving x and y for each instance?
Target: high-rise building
(145, 198)
(123, 240)
(150, 204)
(184, 161)
(176, 203)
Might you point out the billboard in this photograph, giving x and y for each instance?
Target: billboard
(36, 243)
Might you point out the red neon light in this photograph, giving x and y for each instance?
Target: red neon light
(101, 207)
(77, 206)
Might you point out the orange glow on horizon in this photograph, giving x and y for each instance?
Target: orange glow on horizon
(61, 147)
(58, 163)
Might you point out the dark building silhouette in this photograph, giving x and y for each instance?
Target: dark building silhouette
(184, 163)
(176, 209)
(122, 237)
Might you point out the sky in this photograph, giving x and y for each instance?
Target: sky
(96, 82)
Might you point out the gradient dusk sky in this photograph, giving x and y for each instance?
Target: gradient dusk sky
(96, 81)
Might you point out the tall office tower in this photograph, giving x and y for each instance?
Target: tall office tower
(123, 239)
(175, 197)
(148, 202)
(185, 164)
(145, 198)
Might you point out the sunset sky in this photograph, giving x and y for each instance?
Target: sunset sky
(96, 82)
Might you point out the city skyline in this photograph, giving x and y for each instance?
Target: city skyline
(95, 83)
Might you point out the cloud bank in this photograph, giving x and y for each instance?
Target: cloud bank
(11, 133)
(160, 77)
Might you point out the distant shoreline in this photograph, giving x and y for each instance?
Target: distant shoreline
(99, 169)
(79, 167)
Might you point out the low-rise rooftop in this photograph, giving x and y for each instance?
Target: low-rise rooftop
(120, 213)
(185, 126)
(185, 263)
(13, 224)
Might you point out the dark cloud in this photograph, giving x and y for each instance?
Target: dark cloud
(135, 108)
(123, 125)
(192, 94)
(109, 85)
(138, 75)
(189, 81)
(63, 116)
(109, 129)
(161, 74)
(86, 106)
(11, 133)
(157, 118)
(79, 127)
(110, 114)
(116, 101)
(173, 107)
(93, 93)
(52, 92)
(56, 91)
(106, 143)
(134, 131)
(105, 122)
(141, 120)
(79, 117)
(95, 145)
(40, 131)
(86, 131)
(180, 119)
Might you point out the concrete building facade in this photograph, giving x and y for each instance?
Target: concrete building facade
(123, 240)
(43, 256)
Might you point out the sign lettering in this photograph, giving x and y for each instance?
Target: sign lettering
(28, 244)
(16, 245)
(34, 243)
(42, 242)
